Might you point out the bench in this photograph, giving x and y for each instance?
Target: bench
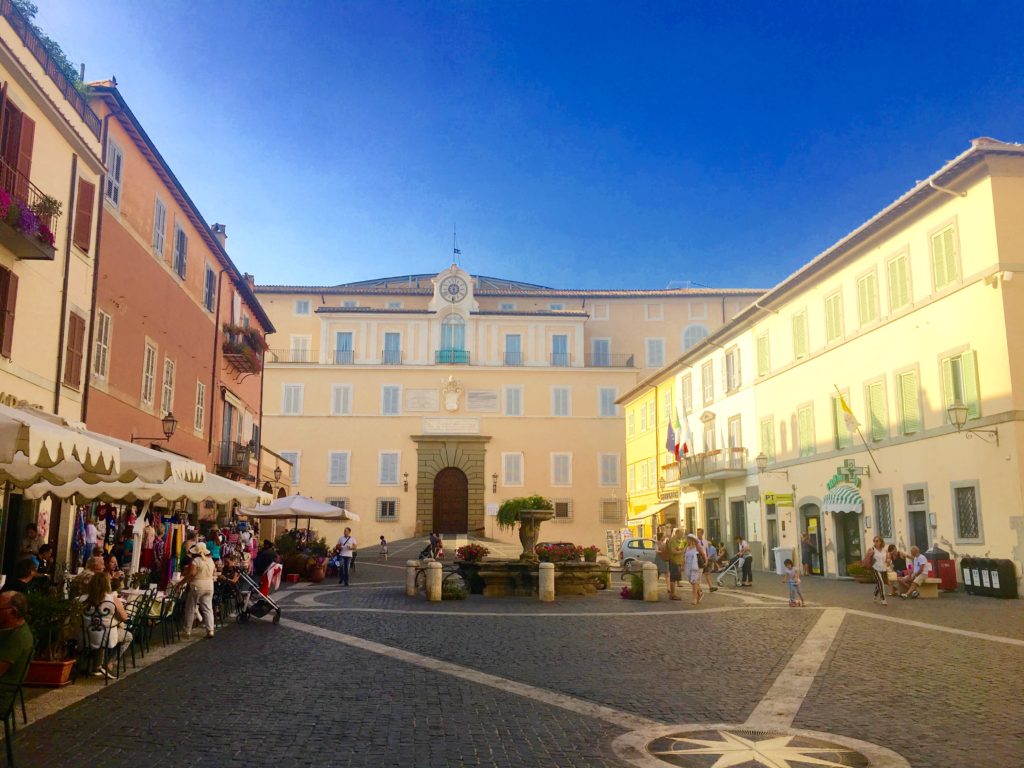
(930, 588)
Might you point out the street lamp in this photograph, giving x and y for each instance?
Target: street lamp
(494, 483)
(762, 466)
(958, 414)
(277, 474)
(168, 423)
(405, 481)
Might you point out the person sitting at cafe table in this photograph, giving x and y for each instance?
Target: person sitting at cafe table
(24, 574)
(16, 642)
(31, 543)
(112, 567)
(99, 592)
(93, 566)
(45, 557)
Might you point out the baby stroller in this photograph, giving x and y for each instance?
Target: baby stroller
(255, 603)
(732, 571)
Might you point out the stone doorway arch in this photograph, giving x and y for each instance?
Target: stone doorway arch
(434, 455)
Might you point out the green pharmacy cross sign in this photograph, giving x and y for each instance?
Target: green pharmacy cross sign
(848, 473)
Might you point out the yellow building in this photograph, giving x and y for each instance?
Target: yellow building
(422, 402)
(51, 179)
(909, 321)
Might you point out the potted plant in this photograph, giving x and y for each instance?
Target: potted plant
(55, 622)
(472, 553)
(529, 512)
(590, 554)
(860, 573)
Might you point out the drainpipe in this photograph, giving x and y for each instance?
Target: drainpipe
(768, 309)
(263, 382)
(64, 288)
(213, 366)
(95, 284)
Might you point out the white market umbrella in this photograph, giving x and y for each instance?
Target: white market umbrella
(288, 507)
(36, 446)
(212, 488)
(136, 462)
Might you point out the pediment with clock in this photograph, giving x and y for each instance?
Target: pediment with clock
(453, 288)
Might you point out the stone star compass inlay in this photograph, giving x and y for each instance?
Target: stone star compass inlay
(749, 748)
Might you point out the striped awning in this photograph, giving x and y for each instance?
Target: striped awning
(843, 498)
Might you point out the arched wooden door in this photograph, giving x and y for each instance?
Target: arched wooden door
(451, 501)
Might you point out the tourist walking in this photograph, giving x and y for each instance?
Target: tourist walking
(791, 576)
(710, 555)
(675, 549)
(200, 575)
(878, 560)
(692, 556)
(743, 551)
(347, 545)
(383, 548)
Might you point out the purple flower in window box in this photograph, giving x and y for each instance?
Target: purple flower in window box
(28, 222)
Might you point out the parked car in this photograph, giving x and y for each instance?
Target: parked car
(634, 552)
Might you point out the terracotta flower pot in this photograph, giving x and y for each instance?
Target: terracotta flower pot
(51, 674)
(317, 574)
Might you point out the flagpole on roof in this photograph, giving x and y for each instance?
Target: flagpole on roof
(854, 426)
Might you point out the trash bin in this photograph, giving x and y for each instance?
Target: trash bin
(945, 571)
(781, 553)
(1004, 579)
(984, 571)
(968, 566)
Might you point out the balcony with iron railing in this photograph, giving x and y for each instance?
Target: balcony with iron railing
(23, 29)
(243, 348)
(28, 216)
(560, 359)
(234, 457)
(513, 359)
(608, 360)
(451, 357)
(719, 464)
(391, 357)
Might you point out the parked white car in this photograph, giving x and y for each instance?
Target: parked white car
(636, 551)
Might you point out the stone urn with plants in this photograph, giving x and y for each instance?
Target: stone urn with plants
(529, 512)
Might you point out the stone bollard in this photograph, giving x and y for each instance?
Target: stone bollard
(546, 583)
(650, 571)
(410, 577)
(434, 582)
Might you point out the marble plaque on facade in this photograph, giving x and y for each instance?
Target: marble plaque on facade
(422, 400)
(482, 400)
(441, 426)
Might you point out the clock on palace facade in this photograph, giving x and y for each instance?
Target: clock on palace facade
(454, 289)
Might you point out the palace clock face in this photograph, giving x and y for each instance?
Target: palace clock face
(454, 289)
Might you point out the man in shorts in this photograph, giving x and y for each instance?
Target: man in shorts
(675, 548)
(917, 572)
(712, 557)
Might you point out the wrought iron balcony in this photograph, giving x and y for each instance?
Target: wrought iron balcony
(243, 348)
(514, 358)
(608, 360)
(718, 464)
(291, 356)
(391, 357)
(560, 359)
(27, 215)
(234, 457)
(451, 357)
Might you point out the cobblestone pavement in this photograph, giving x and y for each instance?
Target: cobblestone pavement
(366, 676)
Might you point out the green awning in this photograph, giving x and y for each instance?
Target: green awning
(844, 498)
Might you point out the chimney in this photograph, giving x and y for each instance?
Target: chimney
(250, 279)
(220, 231)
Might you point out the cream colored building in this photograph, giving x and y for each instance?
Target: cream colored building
(911, 319)
(423, 402)
(51, 180)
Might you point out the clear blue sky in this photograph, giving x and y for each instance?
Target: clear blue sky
(575, 144)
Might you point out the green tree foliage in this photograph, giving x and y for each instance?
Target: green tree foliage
(29, 11)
